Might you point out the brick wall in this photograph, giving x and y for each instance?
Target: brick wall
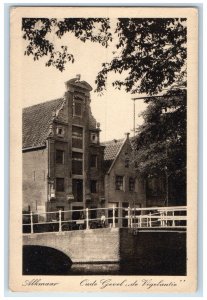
(35, 179)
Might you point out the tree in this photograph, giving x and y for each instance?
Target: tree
(160, 144)
(151, 53)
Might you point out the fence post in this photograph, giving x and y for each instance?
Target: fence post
(113, 216)
(173, 222)
(87, 223)
(132, 216)
(150, 220)
(147, 220)
(166, 218)
(161, 218)
(128, 216)
(31, 222)
(60, 216)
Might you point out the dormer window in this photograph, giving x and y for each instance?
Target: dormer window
(60, 131)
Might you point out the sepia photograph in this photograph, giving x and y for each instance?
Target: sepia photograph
(103, 148)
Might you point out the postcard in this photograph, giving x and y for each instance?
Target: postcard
(103, 149)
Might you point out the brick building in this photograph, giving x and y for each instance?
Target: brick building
(65, 167)
(123, 188)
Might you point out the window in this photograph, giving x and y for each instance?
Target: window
(77, 109)
(60, 131)
(60, 185)
(78, 190)
(131, 184)
(93, 161)
(77, 163)
(59, 157)
(126, 163)
(77, 137)
(126, 160)
(94, 138)
(93, 186)
(119, 183)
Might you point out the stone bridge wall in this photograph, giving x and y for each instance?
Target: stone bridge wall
(94, 245)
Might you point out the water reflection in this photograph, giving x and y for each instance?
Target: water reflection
(94, 269)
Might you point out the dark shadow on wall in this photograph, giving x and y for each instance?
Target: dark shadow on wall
(38, 260)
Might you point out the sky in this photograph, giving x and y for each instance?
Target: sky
(114, 109)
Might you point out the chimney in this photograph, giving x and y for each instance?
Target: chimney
(127, 135)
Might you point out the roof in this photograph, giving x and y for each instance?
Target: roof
(112, 148)
(36, 122)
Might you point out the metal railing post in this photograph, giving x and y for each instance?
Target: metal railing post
(150, 220)
(31, 222)
(128, 216)
(161, 218)
(173, 222)
(87, 221)
(113, 216)
(132, 216)
(60, 216)
(166, 218)
(139, 221)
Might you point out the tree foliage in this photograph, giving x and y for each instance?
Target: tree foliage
(160, 144)
(152, 52)
(37, 32)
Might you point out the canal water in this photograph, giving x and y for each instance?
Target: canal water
(38, 261)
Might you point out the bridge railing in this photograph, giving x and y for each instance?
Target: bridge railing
(91, 218)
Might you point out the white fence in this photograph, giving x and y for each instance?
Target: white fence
(156, 217)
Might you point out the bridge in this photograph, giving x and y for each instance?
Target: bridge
(144, 233)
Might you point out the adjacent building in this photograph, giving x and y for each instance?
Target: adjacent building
(123, 189)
